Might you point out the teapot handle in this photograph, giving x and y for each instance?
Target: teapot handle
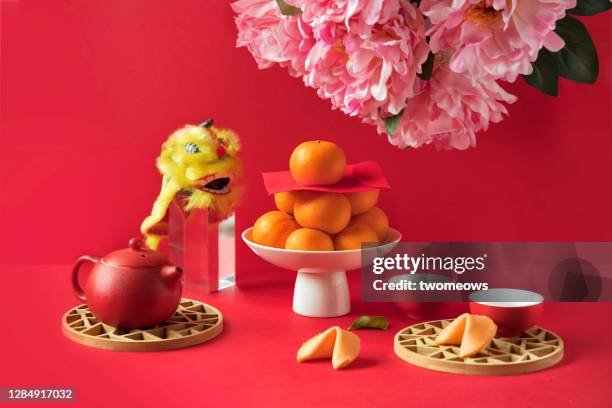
(75, 274)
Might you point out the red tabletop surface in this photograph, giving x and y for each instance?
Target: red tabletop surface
(252, 362)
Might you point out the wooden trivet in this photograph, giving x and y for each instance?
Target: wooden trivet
(535, 349)
(192, 323)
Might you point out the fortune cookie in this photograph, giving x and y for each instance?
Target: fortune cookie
(472, 332)
(341, 345)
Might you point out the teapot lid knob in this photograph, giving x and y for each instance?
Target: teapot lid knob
(136, 244)
(136, 255)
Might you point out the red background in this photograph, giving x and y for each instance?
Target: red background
(90, 90)
(252, 362)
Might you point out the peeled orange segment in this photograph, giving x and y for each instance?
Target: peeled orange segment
(453, 333)
(341, 345)
(346, 349)
(319, 346)
(472, 332)
(479, 331)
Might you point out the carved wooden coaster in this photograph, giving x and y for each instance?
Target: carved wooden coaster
(535, 349)
(192, 323)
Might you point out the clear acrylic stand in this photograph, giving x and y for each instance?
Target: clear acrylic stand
(206, 252)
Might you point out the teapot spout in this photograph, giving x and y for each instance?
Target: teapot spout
(171, 273)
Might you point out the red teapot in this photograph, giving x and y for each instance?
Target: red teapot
(130, 288)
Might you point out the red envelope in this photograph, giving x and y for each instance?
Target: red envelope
(362, 176)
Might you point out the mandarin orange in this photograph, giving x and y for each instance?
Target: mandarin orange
(308, 239)
(362, 201)
(285, 201)
(317, 163)
(353, 236)
(328, 212)
(273, 228)
(374, 218)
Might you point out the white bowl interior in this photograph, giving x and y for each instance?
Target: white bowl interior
(319, 261)
(506, 297)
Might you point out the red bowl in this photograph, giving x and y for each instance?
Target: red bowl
(513, 310)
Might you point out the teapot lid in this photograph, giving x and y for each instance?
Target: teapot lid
(136, 255)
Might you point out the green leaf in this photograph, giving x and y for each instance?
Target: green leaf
(370, 322)
(578, 59)
(427, 68)
(545, 75)
(590, 7)
(286, 9)
(392, 122)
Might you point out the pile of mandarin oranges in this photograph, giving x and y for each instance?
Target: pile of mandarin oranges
(321, 221)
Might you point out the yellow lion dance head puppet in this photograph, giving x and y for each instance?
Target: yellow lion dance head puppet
(200, 164)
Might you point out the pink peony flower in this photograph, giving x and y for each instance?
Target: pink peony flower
(449, 110)
(367, 53)
(358, 16)
(363, 55)
(499, 38)
(271, 37)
